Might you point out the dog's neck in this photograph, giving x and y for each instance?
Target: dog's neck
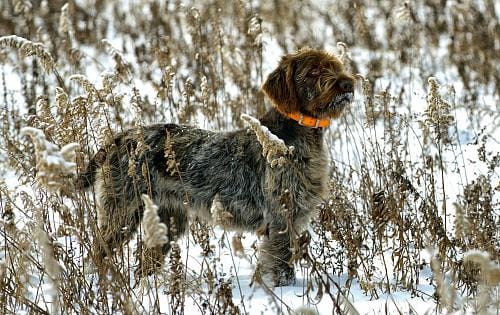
(288, 129)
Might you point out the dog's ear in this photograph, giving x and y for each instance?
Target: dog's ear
(280, 87)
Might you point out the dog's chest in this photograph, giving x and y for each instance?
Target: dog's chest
(313, 172)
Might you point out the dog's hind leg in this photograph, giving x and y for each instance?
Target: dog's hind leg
(116, 227)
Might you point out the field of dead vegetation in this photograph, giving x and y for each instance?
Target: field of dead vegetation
(411, 224)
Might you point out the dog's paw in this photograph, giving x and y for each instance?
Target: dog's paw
(285, 278)
(276, 277)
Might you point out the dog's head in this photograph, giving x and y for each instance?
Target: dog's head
(312, 82)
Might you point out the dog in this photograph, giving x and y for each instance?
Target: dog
(307, 89)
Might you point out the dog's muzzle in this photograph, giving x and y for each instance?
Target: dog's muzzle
(341, 100)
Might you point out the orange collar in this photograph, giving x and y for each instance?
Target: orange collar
(309, 121)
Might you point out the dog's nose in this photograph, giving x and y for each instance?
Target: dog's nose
(346, 86)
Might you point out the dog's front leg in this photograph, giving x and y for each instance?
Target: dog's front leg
(275, 255)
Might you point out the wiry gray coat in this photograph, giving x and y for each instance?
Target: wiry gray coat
(229, 165)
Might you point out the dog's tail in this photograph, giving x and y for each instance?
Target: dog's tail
(88, 177)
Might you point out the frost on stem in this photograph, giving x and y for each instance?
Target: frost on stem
(273, 148)
(155, 232)
(53, 165)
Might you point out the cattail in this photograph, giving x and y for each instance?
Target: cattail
(155, 232)
(273, 148)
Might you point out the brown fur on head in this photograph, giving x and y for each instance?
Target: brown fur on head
(312, 82)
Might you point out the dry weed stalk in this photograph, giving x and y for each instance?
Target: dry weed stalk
(437, 113)
(176, 282)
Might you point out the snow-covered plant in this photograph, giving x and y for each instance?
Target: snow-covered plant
(29, 48)
(486, 300)
(53, 165)
(155, 232)
(489, 268)
(273, 148)
(51, 265)
(122, 66)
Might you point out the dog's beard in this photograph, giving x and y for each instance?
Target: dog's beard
(340, 101)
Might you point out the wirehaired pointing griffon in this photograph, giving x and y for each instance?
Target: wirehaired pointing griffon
(307, 89)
